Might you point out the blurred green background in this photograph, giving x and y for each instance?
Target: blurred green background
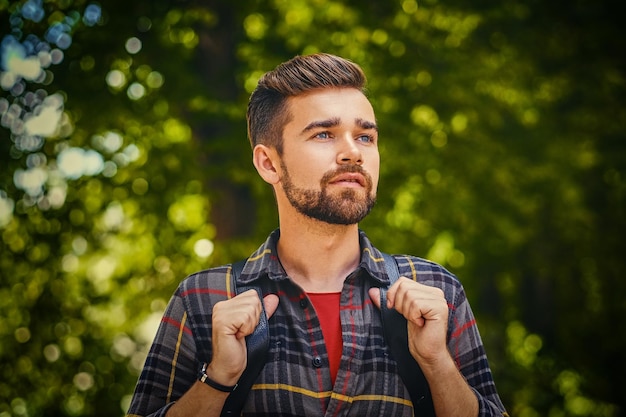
(124, 166)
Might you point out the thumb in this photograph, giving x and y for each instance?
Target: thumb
(270, 302)
(375, 296)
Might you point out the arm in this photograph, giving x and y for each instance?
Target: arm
(168, 384)
(232, 321)
(199, 400)
(426, 311)
(430, 343)
(450, 392)
(465, 343)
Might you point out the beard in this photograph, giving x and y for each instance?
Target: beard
(345, 208)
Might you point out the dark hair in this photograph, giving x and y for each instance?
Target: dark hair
(267, 109)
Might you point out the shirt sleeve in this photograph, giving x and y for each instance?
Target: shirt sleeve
(171, 366)
(466, 347)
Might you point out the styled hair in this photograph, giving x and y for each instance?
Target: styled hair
(268, 112)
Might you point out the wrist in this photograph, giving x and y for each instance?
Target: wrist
(440, 364)
(204, 376)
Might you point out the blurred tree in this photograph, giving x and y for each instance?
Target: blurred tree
(125, 166)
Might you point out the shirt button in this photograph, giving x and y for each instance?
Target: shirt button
(317, 361)
(304, 303)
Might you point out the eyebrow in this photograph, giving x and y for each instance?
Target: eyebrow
(335, 121)
(366, 124)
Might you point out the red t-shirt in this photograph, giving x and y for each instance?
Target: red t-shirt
(327, 308)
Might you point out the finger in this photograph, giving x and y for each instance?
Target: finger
(239, 315)
(418, 302)
(271, 304)
(407, 288)
(248, 314)
(392, 294)
(419, 310)
(375, 296)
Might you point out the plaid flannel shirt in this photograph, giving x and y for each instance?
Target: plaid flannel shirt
(296, 379)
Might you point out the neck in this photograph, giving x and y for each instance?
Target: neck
(318, 256)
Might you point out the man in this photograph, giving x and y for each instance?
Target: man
(315, 141)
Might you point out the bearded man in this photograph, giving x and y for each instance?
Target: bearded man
(315, 140)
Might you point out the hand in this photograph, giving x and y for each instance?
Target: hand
(426, 311)
(233, 320)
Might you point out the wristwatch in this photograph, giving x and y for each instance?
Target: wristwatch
(203, 377)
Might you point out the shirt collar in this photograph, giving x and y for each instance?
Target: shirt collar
(264, 261)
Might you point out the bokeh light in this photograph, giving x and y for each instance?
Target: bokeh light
(203, 248)
(34, 116)
(133, 45)
(76, 162)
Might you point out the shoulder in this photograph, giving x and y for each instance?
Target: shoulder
(210, 282)
(430, 273)
(421, 269)
(198, 293)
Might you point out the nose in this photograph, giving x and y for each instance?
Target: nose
(349, 152)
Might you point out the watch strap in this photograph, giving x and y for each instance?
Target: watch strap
(203, 377)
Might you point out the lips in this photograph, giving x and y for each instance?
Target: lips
(349, 177)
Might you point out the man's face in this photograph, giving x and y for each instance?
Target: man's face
(330, 161)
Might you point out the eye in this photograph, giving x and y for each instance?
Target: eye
(366, 138)
(322, 135)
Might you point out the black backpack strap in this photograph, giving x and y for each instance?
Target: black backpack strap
(396, 336)
(257, 345)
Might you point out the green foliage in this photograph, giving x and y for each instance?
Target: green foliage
(503, 158)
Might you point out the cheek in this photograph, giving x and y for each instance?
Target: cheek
(310, 165)
(304, 173)
(374, 169)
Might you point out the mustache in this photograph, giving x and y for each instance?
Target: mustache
(347, 169)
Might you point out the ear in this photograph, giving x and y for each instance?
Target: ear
(266, 162)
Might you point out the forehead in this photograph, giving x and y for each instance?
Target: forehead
(344, 104)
